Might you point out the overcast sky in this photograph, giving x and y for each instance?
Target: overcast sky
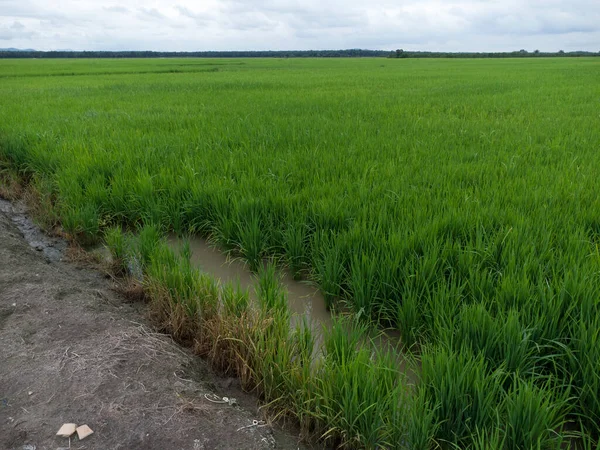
(186, 25)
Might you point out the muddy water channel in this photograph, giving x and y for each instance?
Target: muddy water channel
(304, 299)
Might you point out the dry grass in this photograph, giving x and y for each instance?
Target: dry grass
(38, 199)
(131, 289)
(169, 316)
(102, 358)
(78, 255)
(10, 187)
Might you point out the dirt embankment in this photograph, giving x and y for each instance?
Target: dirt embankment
(73, 350)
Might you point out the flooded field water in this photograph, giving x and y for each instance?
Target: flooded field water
(304, 298)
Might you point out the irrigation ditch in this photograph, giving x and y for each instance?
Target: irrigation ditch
(345, 383)
(306, 302)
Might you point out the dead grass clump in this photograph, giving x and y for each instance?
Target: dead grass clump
(226, 341)
(11, 188)
(77, 254)
(40, 201)
(132, 290)
(171, 316)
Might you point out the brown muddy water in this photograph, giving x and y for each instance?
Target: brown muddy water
(304, 298)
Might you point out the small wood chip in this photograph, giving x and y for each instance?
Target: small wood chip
(83, 431)
(67, 430)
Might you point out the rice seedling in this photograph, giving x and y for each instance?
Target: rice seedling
(270, 292)
(301, 385)
(588, 443)
(251, 240)
(116, 242)
(488, 441)
(147, 241)
(361, 397)
(81, 222)
(328, 267)
(583, 369)
(533, 417)
(235, 300)
(422, 423)
(295, 246)
(463, 392)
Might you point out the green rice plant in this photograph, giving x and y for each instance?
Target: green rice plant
(206, 296)
(227, 333)
(304, 340)
(235, 300)
(411, 311)
(274, 355)
(295, 246)
(273, 349)
(534, 417)
(477, 330)
(223, 228)
(81, 222)
(442, 306)
(422, 422)
(363, 283)
(583, 368)
(588, 443)
(196, 211)
(517, 350)
(146, 242)
(117, 243)
(182, 298)
(174, 216)
(492, 440)
(462, 391)
(553, 314)
(144, 198)
(361, 397)
(342, 340)
(176, 275)
(251, 239)
(502, 340)
(410, 320)
(328, 265)
(270, 292)
(301, 380)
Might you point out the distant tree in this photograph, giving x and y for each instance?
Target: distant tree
(7, 53)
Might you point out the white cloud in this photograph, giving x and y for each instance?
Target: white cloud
(116, 9)
(187, 25)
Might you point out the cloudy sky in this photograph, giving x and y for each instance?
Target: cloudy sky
(187, 25)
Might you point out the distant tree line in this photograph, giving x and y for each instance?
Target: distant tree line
(351, 53)
(516, 54)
